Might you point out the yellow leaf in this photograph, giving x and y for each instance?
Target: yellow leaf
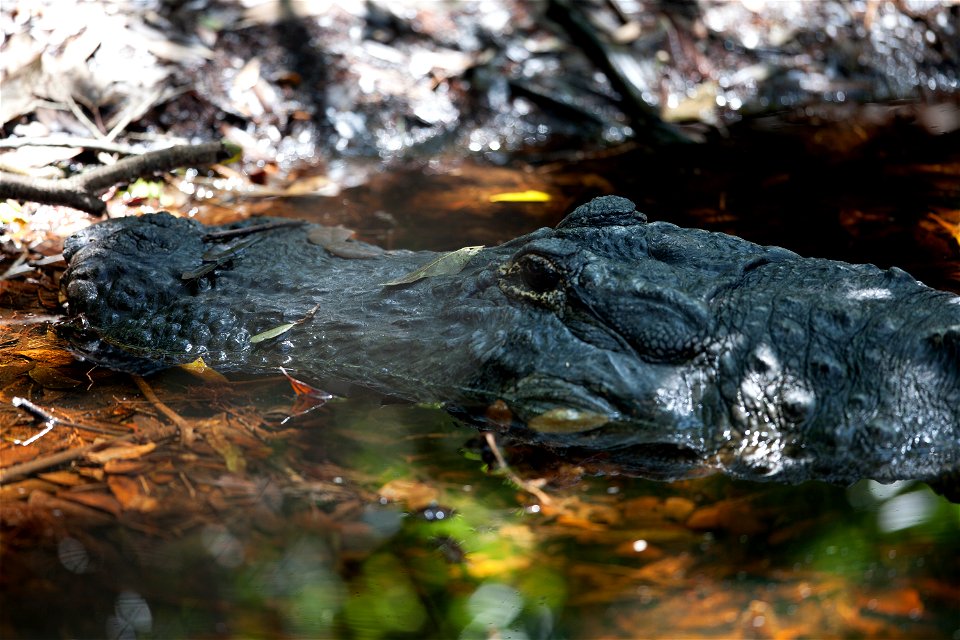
(530, 195)
(206, 373)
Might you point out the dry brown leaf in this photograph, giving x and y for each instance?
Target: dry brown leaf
(49, 357)
(735, 516)
(12, 370)
(65, 478)
(50, 378)
(121, 452)
(95, 499)
(22, 490)
(128, 492)
(94, 473)
(416, 495)
(899, 602)
(215, 432)
(125, 466)
(78, 513)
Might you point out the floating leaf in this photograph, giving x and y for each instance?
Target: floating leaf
(272, 333)
(325, 236)
(337, 240)
(308, 397)
(283, 328)
(530, 195)
(203, 371)
(446, 265)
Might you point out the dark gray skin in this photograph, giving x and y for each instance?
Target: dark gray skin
(671, 352)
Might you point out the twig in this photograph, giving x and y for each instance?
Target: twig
(84, 191)
(186, 431)
(17, 471)
(645, 119)
(255, 228)
(50, 421)
(91, 144)
(514, 478)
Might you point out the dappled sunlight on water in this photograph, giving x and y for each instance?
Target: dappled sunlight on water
(372, 521)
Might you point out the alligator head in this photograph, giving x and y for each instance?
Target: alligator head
(670, 351)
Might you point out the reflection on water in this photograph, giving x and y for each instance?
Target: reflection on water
(394, 527)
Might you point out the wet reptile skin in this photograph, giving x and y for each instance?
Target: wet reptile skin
(669, 351)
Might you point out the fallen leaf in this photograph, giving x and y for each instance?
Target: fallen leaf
(50, 378)
(446, 265)
(272, 333)
(79, 514)
(121, 452)
(95, 499)
(416, 495)
(65, 478)
(49, 357)
(125, 466)
(22, 490)
(203, 371)
(530, 195)
(128, 492)
(214, 432)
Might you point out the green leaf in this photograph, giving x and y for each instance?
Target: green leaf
(446, 265)
(272, 333)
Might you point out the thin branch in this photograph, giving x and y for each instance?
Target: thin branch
(44, 191)
(84, 191)
(17, 471)
(91, 144)
(527, 486)
(186, 431)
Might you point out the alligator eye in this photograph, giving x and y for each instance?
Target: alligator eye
(539, 273)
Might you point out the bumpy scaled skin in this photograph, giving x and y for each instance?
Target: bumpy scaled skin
(668, 351)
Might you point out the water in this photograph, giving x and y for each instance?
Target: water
(364, 520)
(394, 526)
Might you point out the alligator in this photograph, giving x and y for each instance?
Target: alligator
(671, 352)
